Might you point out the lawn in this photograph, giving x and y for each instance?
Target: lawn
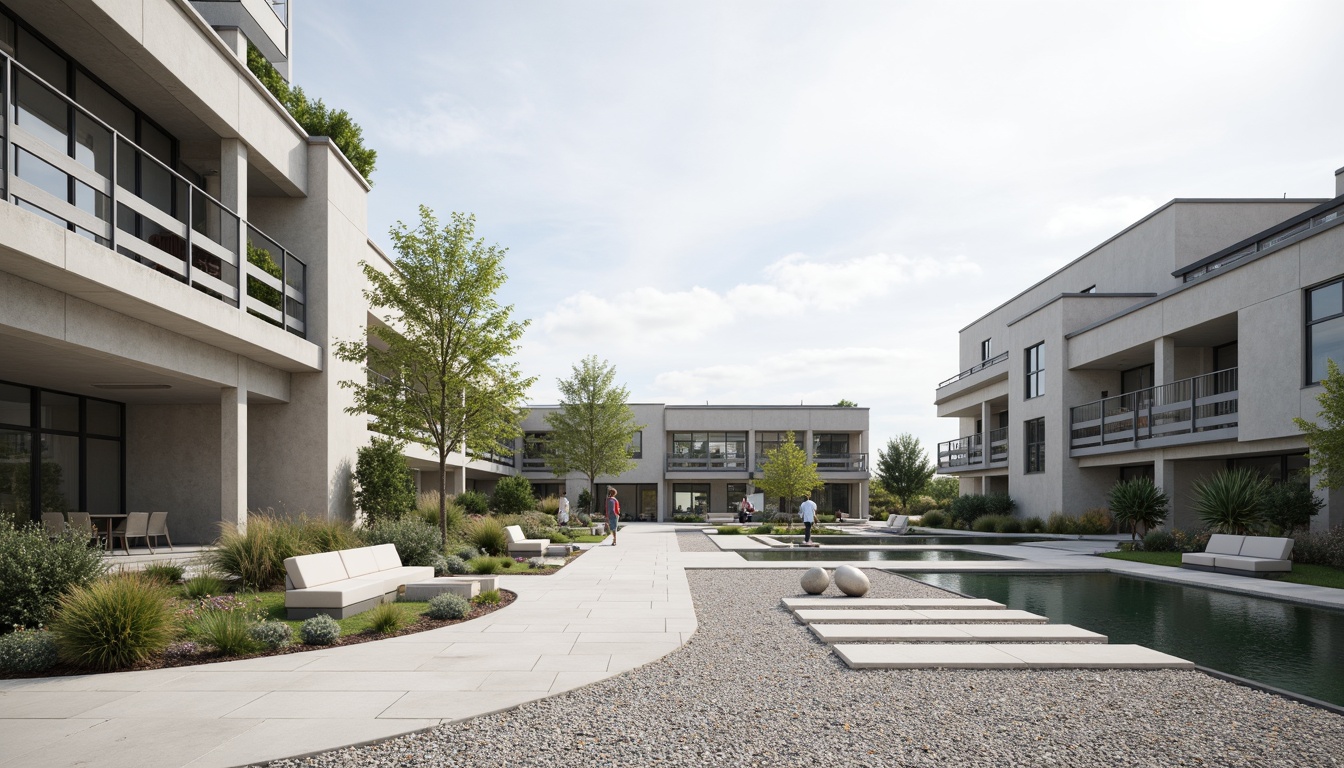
(1313, 575)
(272, 607)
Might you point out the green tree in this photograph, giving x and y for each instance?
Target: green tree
(903, 468)
(942, 489)
(384, 489)
(443, 348)
(592, 430)
(1325, 444)
(315, 117)
(846, 404)
(513, 494)
(787, 473)
(1290, 505)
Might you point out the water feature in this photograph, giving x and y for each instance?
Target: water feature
(1294, 647)
(877, 555)
(913, 541)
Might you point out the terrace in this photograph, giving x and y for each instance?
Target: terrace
(1196, 410)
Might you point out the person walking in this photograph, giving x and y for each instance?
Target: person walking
(562, 517)
(808, 511)
(613, 514)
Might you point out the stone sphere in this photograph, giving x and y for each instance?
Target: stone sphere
(816, 580)
(851, 581)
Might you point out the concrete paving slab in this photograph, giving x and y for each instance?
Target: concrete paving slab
(908, 603)
(926, 656)
(454, 706)
(302, 736)
(50, 704)
(953, 633)
(1079, 656)
(418, 680)
(514, 680)
(884, 616)
(152, 743)
(317, 705)
(24, 737)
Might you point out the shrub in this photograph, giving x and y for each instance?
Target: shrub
(320, 630)
(427, 510)
(986, 523)
(536, 562)
(257, 555)
(487, 534)
(1033, 525)
(417, 544)
(549, 505)
(513, 494)
(965, 509)
(729, 530)
(535, 525)
(203, 585)
(942, 489)
(166, 573)
(1290, 505)
(505, 563)
(999, 504)
(447, 606)
(1231, 501)
(1137, 503)
(1060, 523)
(1186, 541)
(584, 503)
(1159, 541)
(920, 504)
(1320, 548)
(1095, 522)
(488, 597)
(681, 519)
(454, 565)
(1008, 524)
(473, 503)
(467, 552)
(557, 537)
(27, 651)
(878, 514)
(272, 634)
(114, 622)
(484, 565)
(384, 486)
(933, 519)
(764, 529)
(386, 618)
(319, 534)
(35, 572)
(228, 631)
(825, 518)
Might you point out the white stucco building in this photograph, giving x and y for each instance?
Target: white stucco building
(1182, 345)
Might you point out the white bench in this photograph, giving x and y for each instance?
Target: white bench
(1253, 555)
(346, 582)
(524, 547)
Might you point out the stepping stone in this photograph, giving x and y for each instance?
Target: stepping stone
(912, 603)
(1004, 656)
(954, 633)
(885, 616)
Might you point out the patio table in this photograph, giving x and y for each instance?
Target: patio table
(111, 519)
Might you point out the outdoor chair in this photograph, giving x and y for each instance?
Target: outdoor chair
(136, 526)
(158, 528)
(80, 521)
(54, 522)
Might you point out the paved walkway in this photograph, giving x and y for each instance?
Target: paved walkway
(611, 610)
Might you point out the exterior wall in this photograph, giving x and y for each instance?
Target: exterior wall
(173, 459)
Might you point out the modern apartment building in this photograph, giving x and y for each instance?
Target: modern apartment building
(176, 258)
(1185, 344)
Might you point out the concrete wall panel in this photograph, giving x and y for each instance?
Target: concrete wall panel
(173, 465)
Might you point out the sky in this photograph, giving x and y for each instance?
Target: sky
(798, 202)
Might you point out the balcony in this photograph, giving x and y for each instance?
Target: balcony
(987, 379)
(995, 360)
(1195, 410)
(727, 462)
(968, 453)
(73, 169)
(831, 462)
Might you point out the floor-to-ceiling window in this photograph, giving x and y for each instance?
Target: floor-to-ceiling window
(1325, 328)
(690, 499)
(60, 453)
(833, 498)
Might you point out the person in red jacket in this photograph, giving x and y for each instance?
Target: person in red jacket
(613, 514)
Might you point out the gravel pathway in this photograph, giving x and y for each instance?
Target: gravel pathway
(753, 688)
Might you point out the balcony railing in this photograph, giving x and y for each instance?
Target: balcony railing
(998, 445)
(59, 161)
(727, 462)
(841, 462)
(999, 358)
(969, 451)
(535, 464)
(1190, 410)
(1329, 216)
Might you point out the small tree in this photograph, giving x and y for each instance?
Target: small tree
(942, 489)
(1290, 505)
(846, 404)
(585, 502)
(592, 430)
(385, 489)
(1138, 503)
(903, 468)
(1326, 443)
(513, 494)
(439, 363)
(787, 473)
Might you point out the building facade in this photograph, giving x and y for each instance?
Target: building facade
(1185, 344)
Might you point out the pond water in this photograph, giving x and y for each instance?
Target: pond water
(912, 541)
(930, 555)
(1284, 645)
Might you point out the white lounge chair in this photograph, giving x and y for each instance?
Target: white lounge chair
(898, 523)
(524, 547)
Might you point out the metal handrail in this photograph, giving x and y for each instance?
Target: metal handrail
(1204, 403)
(975, 369)
(1265, 243)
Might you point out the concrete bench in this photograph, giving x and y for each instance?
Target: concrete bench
(1246, 555)
(519, 546)
(346, 582)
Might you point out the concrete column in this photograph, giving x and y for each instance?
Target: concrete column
(234, 39)
(1332, 514)
(233, 456)
(233, 175)
(984, 433)
(985, 487)
(1164, 360)
(863, 501)
(458, 480)
(1164, 477)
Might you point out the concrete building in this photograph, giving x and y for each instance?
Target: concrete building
(1182, 345)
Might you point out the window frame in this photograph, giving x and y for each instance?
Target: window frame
(986, 349)
(1309, 324)
(1034, 449)
(1034, 378)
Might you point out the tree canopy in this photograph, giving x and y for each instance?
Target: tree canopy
(903, 468)
(788, 473)
(1325, 443)
(440, 370)
(846, 404)
(592, 430)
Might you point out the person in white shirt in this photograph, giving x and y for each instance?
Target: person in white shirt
(808, 511)
(563, 516)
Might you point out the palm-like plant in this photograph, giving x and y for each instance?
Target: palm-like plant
(1231, 501)
(1138, 503)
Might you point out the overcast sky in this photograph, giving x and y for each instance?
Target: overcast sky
(785, 202)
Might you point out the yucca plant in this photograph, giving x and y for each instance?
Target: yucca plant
(1137, 503)
(115, 622)
(1231, 501)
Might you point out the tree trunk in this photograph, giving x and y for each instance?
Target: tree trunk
(592, 499)
(443, 495)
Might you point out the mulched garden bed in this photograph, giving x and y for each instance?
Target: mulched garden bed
(164, 661)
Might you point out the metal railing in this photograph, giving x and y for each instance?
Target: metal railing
(998, 445)
(1202, 405)
(61, 162)
(1330, 216)
(999, 358)
(535, 464)
(841, 462)
(719, 462)
(969, 450)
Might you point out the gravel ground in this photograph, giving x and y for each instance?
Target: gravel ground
(754, 688)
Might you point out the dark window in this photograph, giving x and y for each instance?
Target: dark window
(1136, 471)
(830, 444)
(1136, 379)
(1276, 469)
(769, 441)
(736, 492)
(1034, 439)
(985, 348)
(636, 447)
(690, 498)
(1325, 328)
(1035, 357)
